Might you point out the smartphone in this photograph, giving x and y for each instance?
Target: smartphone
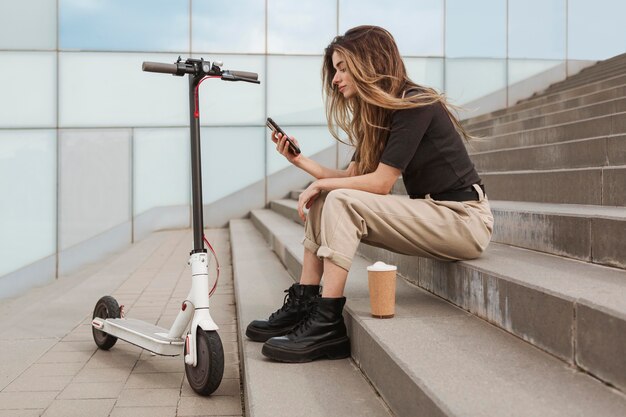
(274, 127)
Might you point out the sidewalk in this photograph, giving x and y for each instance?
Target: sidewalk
(50, 365)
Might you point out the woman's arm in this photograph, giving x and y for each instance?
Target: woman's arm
(378, 182)
(320, 172)
(306, 164)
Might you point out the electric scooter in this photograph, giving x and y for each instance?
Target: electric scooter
(194, 333)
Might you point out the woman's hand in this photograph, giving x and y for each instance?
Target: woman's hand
(307, 198)
(282, 146)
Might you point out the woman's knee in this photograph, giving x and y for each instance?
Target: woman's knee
(340, 197)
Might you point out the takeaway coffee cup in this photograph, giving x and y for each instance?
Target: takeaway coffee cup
(382, 284)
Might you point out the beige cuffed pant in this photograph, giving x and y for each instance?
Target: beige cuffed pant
(446, 230)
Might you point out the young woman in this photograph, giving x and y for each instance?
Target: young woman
(397, 128)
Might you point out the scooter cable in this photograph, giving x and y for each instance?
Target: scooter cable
(217, 265)
(196, 112)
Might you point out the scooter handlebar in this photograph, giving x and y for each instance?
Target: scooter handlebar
(159, 67)
(245, 74)
(200, 67)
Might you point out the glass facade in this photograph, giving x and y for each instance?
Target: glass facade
(29, 197)
(89, 142)
(476, 29)
(120, 25)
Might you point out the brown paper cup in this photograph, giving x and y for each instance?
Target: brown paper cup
(382, 285)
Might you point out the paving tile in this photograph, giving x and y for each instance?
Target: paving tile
(34, 383)
(139, 397)
(102, 375)
(79, 408)
(26, 400)
(159, 366)
(147, 355)
(227, 336)
(230, 386)
(75, 346)
(115, 358)
(231, 371)
(17, 355)
(146, 380)
(90, 390)
(81, 334)
(143, 412)
(53, 369)
(210, 406)
(22, 413)
(65, 357)
(230, 346)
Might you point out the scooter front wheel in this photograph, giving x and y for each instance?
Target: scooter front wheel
(106, 307)
(206, 376)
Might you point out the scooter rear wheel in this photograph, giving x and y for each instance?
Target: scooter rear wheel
(106, 307)
(206, 376)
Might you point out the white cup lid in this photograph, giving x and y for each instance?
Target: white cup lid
(381, 266)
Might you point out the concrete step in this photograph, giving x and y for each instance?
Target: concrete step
(583, 153)
(587, 233)
(598, 186)
(543, 99)
(295, 194)
(599, 66)
(614, 59)
(587, 77)
(607, 125)
(545, 119)
(287, 208)
(435, 359)
(593, 74)
(585, 100)
(598, 69)
(323, 388)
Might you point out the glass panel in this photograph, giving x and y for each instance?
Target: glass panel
(305, 27)
(312, 139)
(426, 71)
(121, 25)
(228, 26)
(596, 29)
(232, 159)
(294, 87)
(28, 203)
(20, 28)
(160, 168)
(417, 26)
(109, 89)
(546, 39)
(239, 103)
(520, 70)
(28, 86)
(470, 79)
(94, 184)
(476, 28)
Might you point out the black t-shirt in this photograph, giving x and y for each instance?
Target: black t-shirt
(425, 146)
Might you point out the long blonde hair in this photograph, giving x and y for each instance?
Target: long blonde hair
(381, 82)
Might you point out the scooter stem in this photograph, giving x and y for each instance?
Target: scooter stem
(196, 166)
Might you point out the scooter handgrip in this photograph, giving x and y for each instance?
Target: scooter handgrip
(159, 67)
(245, 74)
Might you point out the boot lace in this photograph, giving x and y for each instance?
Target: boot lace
(306, 321)
(288, 301)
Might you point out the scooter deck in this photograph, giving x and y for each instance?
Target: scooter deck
(142, 334)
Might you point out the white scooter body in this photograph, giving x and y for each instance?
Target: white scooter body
(194, 311)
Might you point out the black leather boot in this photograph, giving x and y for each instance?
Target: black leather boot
(321, 334)
(294, 309)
